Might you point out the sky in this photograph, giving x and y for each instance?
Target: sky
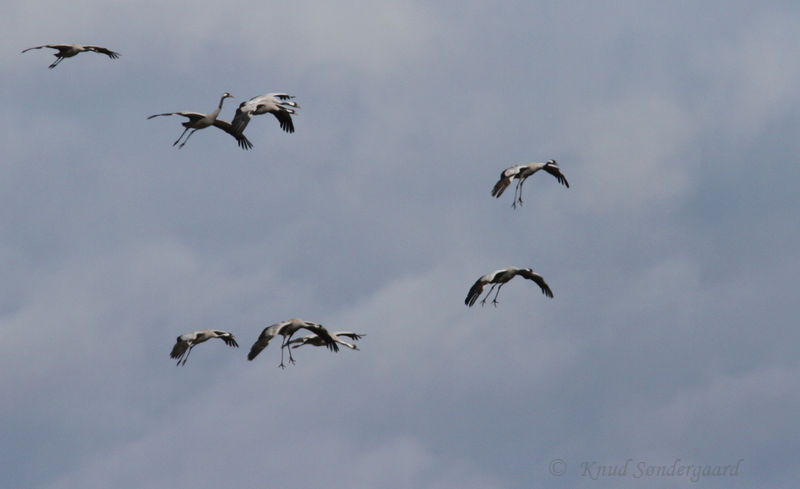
(673, 256)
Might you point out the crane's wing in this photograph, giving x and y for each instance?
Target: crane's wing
(322, 333)
(261, 343)
(54, 46)
(40, 47)
(298, 342)
(475, 292)
(99, 49)
(191, 115)
(241, 139)
(556, 172)
(281, 96)
(284, 117)
(349, 334)
(179, 349)
(227, 338)
(501, 185)
(506, 176)
(338, 335)
(241, 118)
(283, 99)
(539, 281)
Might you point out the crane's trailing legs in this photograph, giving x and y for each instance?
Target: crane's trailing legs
(517, 194)
(494, 301)
(497, 292)
(282, 365)
(179, 137)
(187, 137)
(285, 344)
(483, 302)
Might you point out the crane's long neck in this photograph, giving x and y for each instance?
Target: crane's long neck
(219, 108)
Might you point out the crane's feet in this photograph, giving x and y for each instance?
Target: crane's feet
(494, 302)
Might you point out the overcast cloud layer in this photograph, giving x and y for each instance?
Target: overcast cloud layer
(673, 255)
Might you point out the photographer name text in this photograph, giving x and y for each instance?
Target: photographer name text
(641, 470)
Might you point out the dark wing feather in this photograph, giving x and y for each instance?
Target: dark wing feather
(54, 46)
(241, 139)
(475, 292)
(506, 177)
(302, 341)
(556, 172)
(501, 186)
(322, 333)
(240, 119)
(99, 49)
(261, 343)
(193, 116)
(179, 349)
(352, 336)
(227, 338)
(285, 119)
(528, 274)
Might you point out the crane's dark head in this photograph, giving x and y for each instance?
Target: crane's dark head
(552, 162)
(227, 95)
